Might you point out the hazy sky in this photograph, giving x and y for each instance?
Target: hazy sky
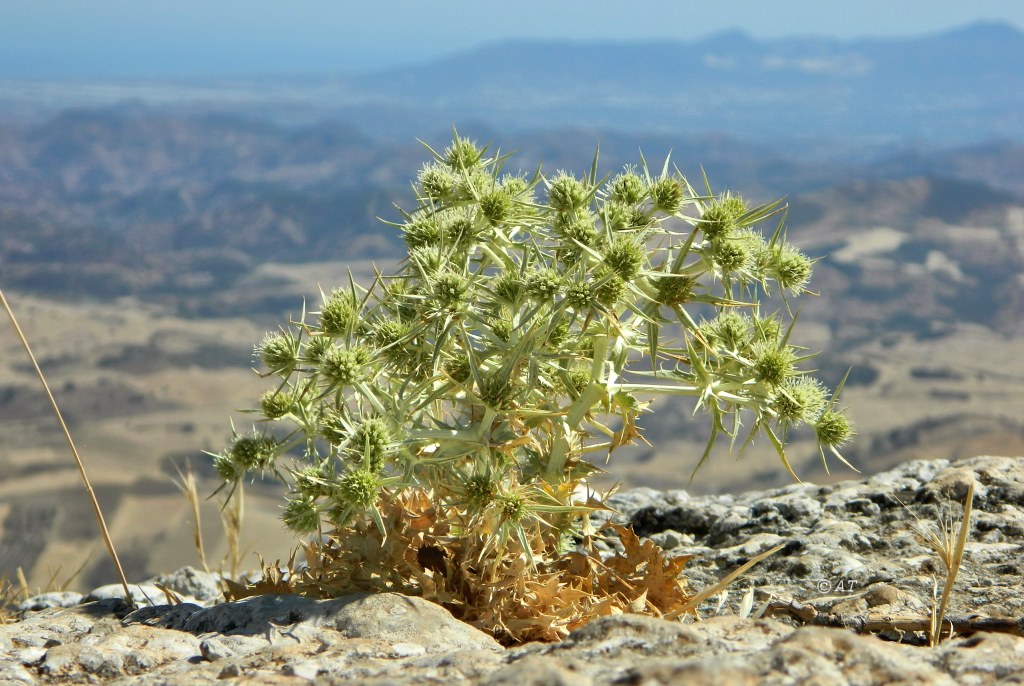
(210, 37)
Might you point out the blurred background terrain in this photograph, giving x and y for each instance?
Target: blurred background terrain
(154, 224)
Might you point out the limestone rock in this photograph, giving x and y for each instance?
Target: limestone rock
(852, 557)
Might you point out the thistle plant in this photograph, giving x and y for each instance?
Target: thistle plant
(441, 422)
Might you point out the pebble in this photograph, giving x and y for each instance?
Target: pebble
(853, 554)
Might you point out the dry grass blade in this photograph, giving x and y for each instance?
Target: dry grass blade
(104, 532)
(700, 597)
(952, 554)
(187, 486)
(231, 518)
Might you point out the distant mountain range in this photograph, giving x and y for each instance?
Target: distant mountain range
(822, 98)
(945, 87)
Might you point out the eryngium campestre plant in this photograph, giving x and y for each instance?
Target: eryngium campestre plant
(442, 416)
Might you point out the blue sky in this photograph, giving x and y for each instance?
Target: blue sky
(80, 38)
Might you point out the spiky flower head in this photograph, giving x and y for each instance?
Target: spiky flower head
(501, 328)
(313, 349)
(609, 287)
(768, 329)
(544, 284)
(834, 429)
(449, 290)
(496, 206)
(791, 268)
(437, 182)
(339, 313)
(666, 194)
(721, 218)
(566, 193)
(227, 469)
(729, 330)
(773, 364)
(313, 481)
(459, 228)
(516, 187)
(371, 441)
(459, 369)
(278, 352)
(254, 451)
(422, 231)
(801, 400)
(276, 404)
(675, 290)
(508, 288)
(628, 188)
(359, 488)
(480, 491)
(331, 426)
(576, 226)
(301, 514)
(463, 154)
(342, 366)
(498, 390)
(513, 506)
(731, 255)
(579, 295)
(625, 257)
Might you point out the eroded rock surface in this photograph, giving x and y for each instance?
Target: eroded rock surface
(852, 557)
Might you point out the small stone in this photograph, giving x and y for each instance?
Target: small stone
(229, 671)
(304, 669)
(193, 583)
(407, 650)
(213, 649)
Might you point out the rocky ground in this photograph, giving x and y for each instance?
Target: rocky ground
(846, 601)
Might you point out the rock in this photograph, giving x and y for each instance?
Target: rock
(201, 586)
(47, 600)
(143, 594)
(852, 556)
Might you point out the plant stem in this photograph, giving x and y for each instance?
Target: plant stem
(104, 532)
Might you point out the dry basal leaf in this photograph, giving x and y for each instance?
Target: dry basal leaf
(645, 569)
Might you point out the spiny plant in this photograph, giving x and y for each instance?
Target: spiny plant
(442, 420)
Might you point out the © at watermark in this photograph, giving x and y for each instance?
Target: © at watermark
(839, 585)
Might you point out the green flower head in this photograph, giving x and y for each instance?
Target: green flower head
(438, 182)
(666, 195)
(772, 365)
(721, 218)
(628, 188)
(256, 451)
(301, 514)
(463, 154)
(372, 440)
(339, 313)
(576, 226)
(275, 404)
(544, 284)
(497, 206)
(279, 353)
(833, 429)
(449, 290)
(791, 268)
(801, 400)
(675, 290)
(422, 231)
(359, 488)
(566, 193)
(625, 257)
(342, 366)
(508, 288)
